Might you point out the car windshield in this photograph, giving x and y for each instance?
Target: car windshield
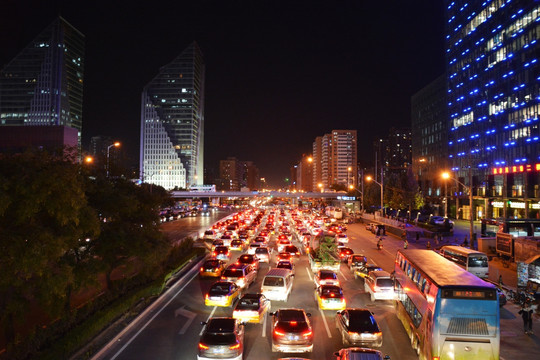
(223, 249)
(284, 265)
(358, 259)
(361, 321)
(478, 261)
(273, 281)
(208, 232)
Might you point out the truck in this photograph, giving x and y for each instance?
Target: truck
(324, 256)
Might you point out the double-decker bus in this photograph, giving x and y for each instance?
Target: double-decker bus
(448, 312)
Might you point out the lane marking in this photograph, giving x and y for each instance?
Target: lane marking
(264, 325)
(211, 314)
(149, 321)
(185, 313)
(325, 324)
(343, 274)
(309, 274)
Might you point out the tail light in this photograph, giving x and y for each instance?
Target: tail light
(307, 333)
(202, 269)
(203, 347)
(436, 358)
(206, 297)
(278, 333)
(378, 334)
(234, 347)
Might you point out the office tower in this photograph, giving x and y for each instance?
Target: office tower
(493, 102)
(172, 123)
(335, 159)
(43, 84)
(429, 114)
(231, 174)
(304, 174)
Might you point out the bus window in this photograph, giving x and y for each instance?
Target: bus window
(424, 282)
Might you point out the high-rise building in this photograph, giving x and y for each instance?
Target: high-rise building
(304, 174)
(235, 175)
(43, 84)
(335, 159)
(493, 102)
(429, 117)
(172, 123)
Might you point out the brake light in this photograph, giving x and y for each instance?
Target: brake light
(278, 333)
(202, 268)
(293, 323)
(307, 333)
(378, 334)
(234, 347)
(436, 358)
(206, 296)
(214, 253)
(203, 347)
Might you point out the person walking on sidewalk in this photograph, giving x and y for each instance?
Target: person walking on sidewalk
(526, 313)
(417, 236)
(405, 244)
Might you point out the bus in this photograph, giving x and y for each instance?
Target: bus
(447, 312)
(475, 262)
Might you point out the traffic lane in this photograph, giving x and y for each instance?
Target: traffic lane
(364, 242)
(191, 226)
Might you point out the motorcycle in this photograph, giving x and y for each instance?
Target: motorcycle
(379, 245)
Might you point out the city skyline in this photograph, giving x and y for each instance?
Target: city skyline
(278, 74)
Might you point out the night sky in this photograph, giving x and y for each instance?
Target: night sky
(278, 73)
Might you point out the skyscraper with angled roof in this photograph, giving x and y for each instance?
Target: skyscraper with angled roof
(43, 84)
(172, 123)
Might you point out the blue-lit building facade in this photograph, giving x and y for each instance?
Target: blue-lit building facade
(493, 77)
(43, 84)
(172, 123)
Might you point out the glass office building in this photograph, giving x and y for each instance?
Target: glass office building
(493, 76)
(172, 123)
(43, 84)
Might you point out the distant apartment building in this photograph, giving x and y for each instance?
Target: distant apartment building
(304, 174)
(429, 116)
(335, 159)
(394, 153)
(172, 123)
(235, 175)
(43, 85)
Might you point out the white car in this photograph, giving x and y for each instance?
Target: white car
(439, 220)
(342, 238)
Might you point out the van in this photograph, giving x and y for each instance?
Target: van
(242, 275)
(277, 284)
(380, 285)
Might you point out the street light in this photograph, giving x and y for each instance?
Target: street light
(116, 144)
(320, 185)
(369, 178)
(446, 175)
(351, 187)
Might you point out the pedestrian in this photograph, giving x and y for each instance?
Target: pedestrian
(436, 239)
(465, 242)
(417, 236)
(405, 244)
(526, 313)
(500, 281)
(428, 245)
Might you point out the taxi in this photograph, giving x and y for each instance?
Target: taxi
(212, 268)
(221, 253)
(222, 293)
(330, 297)
(251, 308)
(326, 277)
(362, 272)
(236, 245)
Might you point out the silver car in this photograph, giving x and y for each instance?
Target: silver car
(291, 331)
(223, 338)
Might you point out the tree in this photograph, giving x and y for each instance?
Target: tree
(43, 214)
(129, 225)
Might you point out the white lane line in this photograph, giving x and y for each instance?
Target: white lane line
(209, 316)
(264, 326)
(343, 274)
(309, 274)
(152, 318)
(325, 324)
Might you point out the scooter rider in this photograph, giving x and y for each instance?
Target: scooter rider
(379, 244)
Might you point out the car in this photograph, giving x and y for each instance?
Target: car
(226, 239)
(242, 275)
(356, 261)
(282, 243)
(291, 331)
(221, 253)
(440, 220)
(263, 254)
(249, 259)
(358, 353)
(236, 245)
(209, 235)
(251, 308)
(284, 256)
(344, 253)
(222, 293)
(502, 297)
(358, 327)
(217, 242)
(291, 249)
(212, 268)
(252, 247)
(330, 297)
(341, 237)
(285, 264)
(326, 277)
(222, 338)
(363, 271)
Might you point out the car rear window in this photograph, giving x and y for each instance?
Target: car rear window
(385, 282)
(219, 290)
(248, 304)
(261, 251)
(233, 273)
(218, 338)
(273, 281)
(362, 321)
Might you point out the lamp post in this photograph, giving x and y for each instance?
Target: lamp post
(349, 169)
(320, 185)
(446, 175)
(116, 144)
(369, 178)
(351, 187)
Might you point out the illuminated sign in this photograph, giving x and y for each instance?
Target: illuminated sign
(515, 169)
(497, 204)
(536, 206)
(517, 205)
(347, 198)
